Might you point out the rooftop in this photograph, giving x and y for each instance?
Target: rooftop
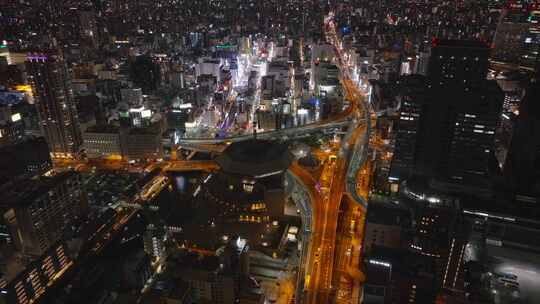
(387, 214)
(255, 158)
(102, 129)
(26, 192)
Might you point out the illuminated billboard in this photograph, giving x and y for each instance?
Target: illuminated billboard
(146, 113)
(16, 117)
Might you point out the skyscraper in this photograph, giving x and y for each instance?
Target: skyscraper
(522, 167)
(447, 120)
(54, 102)
(458, 63)
(444, 147)
(414, 95)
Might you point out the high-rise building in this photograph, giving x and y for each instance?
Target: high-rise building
(29, 285)
(522, 167)
(444, 148)
(413, 97)
(386, 226)
(399, 276)
(457, 62)
(469, 135)
(54, 101)
(447, 120)
(38, 211)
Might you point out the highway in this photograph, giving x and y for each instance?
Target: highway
(276, 134)
(333, 266)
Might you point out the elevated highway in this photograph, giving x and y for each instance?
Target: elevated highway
(333, 265)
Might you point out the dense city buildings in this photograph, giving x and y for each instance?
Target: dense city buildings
(241, 151)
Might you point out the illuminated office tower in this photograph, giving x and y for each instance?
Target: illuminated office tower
(38, 211)
(54, 101)
(458, 63)
(413, 96)
(447, 120)
(30, 285)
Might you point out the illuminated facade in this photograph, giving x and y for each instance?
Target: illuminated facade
(437, 231)
(54, 101)
(37, 212)
(31, 284)
(411, 101)
(458, 63)
(102, 141)
(446, 127)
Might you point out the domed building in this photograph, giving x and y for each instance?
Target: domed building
(251, 178)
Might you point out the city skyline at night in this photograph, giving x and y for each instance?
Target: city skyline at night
(280, 151)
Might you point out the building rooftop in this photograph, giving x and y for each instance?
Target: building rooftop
(256, 158)
(26, 192)
(460, 43)
(387, 214)
(102, 129)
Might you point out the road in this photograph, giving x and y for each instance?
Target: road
(333, 265)
(168, 166)
(229, 113)
(333, 270)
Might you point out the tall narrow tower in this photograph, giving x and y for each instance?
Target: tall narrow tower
(54, 101)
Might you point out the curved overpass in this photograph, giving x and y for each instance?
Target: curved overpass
(276, 134)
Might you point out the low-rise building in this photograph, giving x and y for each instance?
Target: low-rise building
(102, 141)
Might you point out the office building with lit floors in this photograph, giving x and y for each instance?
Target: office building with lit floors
(141, 143)
(460, 63)
(413, 261)
(38, 211)
(102, 141)
(32, 281)
(53, 97)
(447, 135)
(447, 122)
(444, 152)
(414, 95)
(438, 230)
